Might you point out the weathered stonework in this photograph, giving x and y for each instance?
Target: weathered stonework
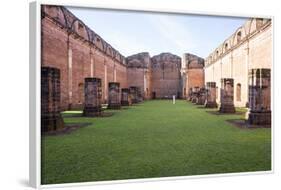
(50, 100)
(125, 97)
(114, 101)
(139, 73)
(192, 73)
(194, 94)
(201, 97)
(166, 75)
(93, 97)
(211, 95)
(259, 97)
(134, 94)
(249, 47)
(227, 105)
(78, 52)
(71, 46)
(139, 94)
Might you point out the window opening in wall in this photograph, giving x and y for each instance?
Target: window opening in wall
(238, 92)
(239, 35)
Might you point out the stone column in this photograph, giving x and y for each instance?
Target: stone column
(226, 97)
(259, 97)
(139, 94)
(194, 94)
(125, 97)
(134, 95)
(50, 100)
(114, 101)
(93, 97)
(211, 95)
(201, 97)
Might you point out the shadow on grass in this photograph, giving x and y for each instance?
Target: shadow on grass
(243, 124)
(219, 113)
(68, 128)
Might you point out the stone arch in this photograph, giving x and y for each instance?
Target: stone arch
(255, 24)
(98, 42)
(65, 13)
(104, 45)
(56, 13)
(93, 36)
(117, 56)
(113, 53)
(217, 53)
(238, 92)
(239, 35)
(80, 28)
(109, 51)
(213, 55)
(226, 46)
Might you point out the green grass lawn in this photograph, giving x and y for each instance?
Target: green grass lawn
(153, 139)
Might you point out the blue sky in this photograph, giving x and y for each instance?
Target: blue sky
(135, 32)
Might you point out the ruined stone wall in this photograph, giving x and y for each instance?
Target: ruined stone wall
(69, 45)
(249, 47)
(166, 75)
(139, 73)
(193, 72)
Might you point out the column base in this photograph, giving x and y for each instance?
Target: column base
(135, 101)
(194, 100)
(200, 101)
(125, 103)
(51, 123)
(211, 105)
(92, 111)
(227, 108)
(114, 106)
(259, 118)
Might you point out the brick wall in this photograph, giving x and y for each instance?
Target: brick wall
(249, 47)
(69, 45)
(166, 75)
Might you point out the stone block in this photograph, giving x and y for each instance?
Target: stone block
(93, 97)
(259, 97)
(211, 95)
(125, 97)
(114, 100)
(227, 103)
(50, 100)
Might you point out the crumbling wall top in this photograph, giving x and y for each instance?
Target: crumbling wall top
(74, 26)
(242, 34)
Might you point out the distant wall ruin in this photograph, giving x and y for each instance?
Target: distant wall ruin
(78, 52)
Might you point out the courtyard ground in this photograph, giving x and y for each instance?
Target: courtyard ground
(153, 139)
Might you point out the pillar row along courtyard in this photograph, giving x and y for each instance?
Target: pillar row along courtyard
(92, 72)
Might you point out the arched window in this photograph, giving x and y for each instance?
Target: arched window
(226, 46)
(239, 36)
(238, 92)
(217, 53)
